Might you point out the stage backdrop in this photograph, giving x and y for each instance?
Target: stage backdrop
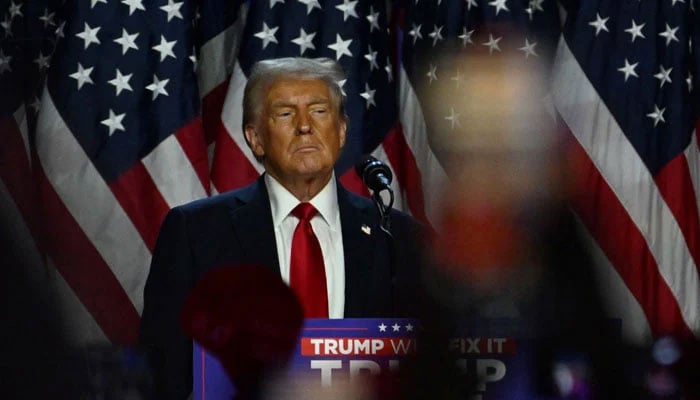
(112, 112)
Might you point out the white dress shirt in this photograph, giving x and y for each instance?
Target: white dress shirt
(326, 226)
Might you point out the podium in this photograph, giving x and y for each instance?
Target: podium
(337, 350)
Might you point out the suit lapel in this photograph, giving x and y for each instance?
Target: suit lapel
(358, 247)
(252, 226)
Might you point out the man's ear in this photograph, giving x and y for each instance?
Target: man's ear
(254, 140)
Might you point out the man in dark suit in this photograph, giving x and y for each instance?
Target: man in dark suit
(295, 124)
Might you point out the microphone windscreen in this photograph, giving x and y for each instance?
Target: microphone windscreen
(374, 173)
(246, 316)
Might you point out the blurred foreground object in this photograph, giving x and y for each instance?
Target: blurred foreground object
(249, 318)
(508, 248)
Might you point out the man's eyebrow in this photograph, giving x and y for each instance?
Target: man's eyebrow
(313, 102)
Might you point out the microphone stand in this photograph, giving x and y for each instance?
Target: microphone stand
(384, 209)
(385, 226)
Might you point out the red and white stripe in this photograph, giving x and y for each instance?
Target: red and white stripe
(20, 214)
(229, 166)
(101, 234)
(640, 222)
(423, 176)
(232, 115)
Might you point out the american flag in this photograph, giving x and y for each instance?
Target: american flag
(625, 83)
(118, 141)
(622, 79)
(141, 112)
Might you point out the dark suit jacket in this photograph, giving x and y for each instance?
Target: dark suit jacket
(236, 228)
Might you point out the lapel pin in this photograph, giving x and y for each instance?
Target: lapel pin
(366, 229)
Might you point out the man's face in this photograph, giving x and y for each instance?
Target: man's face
(299, 133)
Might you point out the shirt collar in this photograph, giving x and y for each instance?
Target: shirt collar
(282, 202)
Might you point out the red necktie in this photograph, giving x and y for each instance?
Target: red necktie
(307, 274)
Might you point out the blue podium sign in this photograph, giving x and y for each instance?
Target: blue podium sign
(335, 350)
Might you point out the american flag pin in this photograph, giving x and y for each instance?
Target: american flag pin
(366, 229)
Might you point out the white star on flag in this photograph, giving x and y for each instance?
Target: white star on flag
(15, 10)
(172, 9)
(5, 62)
(529, 48)
(89, 35)
(371, 56)
(341, 85)
(471, 3)
(59, 30)
(389, 71)
(93, 3)
(396, 327)
(664, 75)
(368, 95)
(82, 75)
(304, 41)
(530, 12)
(409, 328)
(657, 115)
(341, 47)
(165, 48)
(47, 18)
(453, 118)
(466, 36)
(415, 33)
(536, 5)
(348, 9)
(42, 61)
(121, 82)
(436, 34)
(114, 122)
(669, 34)
(689, 81)
(629, 70)
(382, 327)
(431, 73)
(134, 5)
(499, 5)
(373, 18)
(7, 26)
(492, 44)
(127, 41)
(310, 5)
(158, 87)
(599, 24)
(193, 58)
(636, 31)
(267, 35)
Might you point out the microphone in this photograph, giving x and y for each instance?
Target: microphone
(376, 175)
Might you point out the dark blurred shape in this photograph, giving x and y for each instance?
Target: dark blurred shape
(508, 248)
(37, 358)
(673, 371)
(36, 361)
(117, 373)
(248, 318)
